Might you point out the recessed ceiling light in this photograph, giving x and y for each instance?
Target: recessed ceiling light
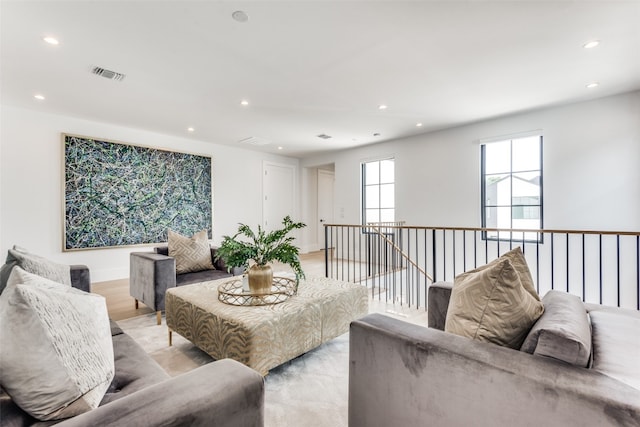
(382, 107)
(240, 16)
(51, 40)
(592, 85)
(190, 130)
(244, 102)
(280, 148)
(39, 97)
(591, 44)
(419, 125)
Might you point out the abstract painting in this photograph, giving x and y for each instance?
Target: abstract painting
(120, 194)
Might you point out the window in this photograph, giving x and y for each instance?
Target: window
(378, 191)
(512, 186)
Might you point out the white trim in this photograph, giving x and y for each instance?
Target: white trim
(378, 158)
(508, 137)
(320, 243)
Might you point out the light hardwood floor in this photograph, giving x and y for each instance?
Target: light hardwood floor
(121, 305)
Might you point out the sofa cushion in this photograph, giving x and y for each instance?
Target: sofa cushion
(191, 253)
(34, 264)
(491, 304)
(135, 370)
(200, 276)
(616, 345)
(56, 340)
(563, 331)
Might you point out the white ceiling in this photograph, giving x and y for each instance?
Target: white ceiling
(313, 67)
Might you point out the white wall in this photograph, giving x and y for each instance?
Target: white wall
(31, 193)
(590, 168)
(591, 176)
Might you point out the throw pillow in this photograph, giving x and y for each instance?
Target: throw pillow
(19, 276)
(191, 253)
(563, 331)
(34, 264)
(56, 358)
(519, 262)
(491, 304)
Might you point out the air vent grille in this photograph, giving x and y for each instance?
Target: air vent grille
(107, 74)
(323, 136)
(253, 140)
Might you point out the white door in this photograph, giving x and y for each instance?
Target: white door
(278, 192)
(326, 180)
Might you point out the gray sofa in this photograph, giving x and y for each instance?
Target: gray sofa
(152, 273)
(221, 393)
(405, 374)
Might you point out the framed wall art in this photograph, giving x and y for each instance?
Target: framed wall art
(118, 194)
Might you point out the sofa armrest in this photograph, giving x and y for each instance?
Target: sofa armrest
(80, 277)
(217, 263)
(150, 275)
(222, 393)
(220, 265)
(438, 304)
(405, 374)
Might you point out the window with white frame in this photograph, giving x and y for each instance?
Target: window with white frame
(378, 191)
(511, 171)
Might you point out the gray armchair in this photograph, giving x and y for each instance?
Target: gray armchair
(80, 277)
(406, 374)
(152, 273)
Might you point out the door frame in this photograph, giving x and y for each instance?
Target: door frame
(320, 241)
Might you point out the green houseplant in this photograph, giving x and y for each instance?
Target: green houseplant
(261, 248)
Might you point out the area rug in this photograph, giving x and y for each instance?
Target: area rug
(311, 390)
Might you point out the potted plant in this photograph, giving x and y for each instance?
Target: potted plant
(260, 248)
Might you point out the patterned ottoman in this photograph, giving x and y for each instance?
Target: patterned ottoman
(263, 337)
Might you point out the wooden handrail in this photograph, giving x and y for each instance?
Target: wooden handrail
(502, 230)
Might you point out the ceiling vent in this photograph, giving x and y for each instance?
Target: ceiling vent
(252, 140)
(323, 136)
(107, 74)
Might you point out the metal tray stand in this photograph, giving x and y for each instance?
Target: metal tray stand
(231, 292)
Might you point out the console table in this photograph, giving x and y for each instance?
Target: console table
(263, 337)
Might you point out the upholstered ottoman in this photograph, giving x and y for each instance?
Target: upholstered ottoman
(263, 337)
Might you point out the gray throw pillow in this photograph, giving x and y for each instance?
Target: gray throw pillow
(562, 332)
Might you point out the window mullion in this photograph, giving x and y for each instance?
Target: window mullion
(511, 184)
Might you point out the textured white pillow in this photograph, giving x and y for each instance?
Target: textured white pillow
(19, 276)
(56, 358)
(191, 253)
(41, 266)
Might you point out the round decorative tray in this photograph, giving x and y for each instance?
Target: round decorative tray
(231, 292)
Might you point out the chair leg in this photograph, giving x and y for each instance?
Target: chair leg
(159, 317)
(136, 304)
(170, 338)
